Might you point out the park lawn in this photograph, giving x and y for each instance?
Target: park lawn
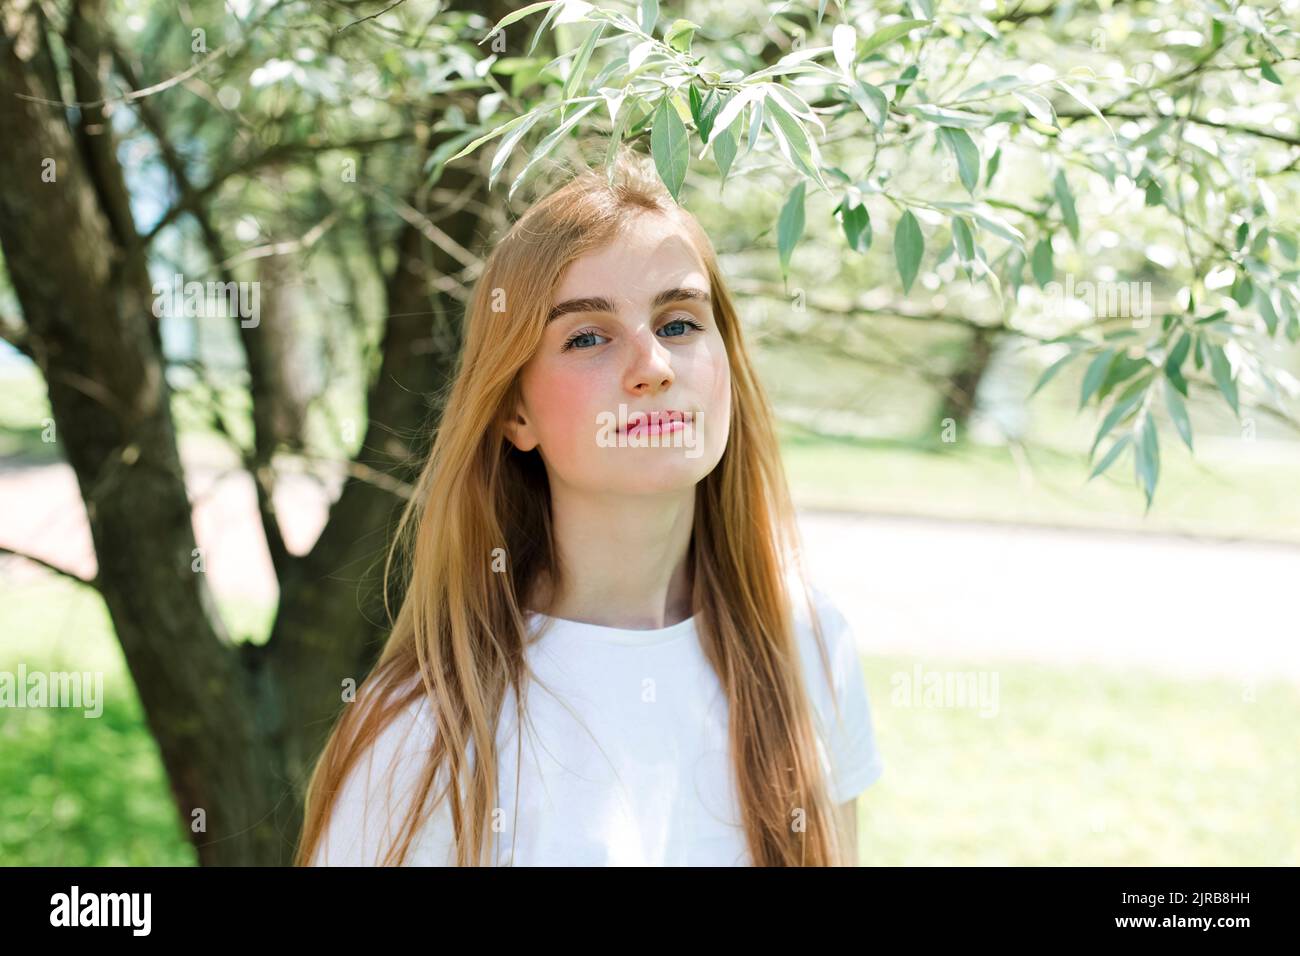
(1220, 495)
(1084, 766)
(1224, 489)
(1079, 765)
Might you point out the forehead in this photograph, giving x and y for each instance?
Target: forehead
(650, 253)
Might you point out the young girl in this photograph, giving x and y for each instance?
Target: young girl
(602, 551)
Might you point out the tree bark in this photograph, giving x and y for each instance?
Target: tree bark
(86, 298)
(238, 726)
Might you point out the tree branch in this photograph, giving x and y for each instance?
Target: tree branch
(88, 582)
(194, 197)
(261, 392)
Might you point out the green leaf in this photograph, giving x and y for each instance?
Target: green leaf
(909, 246)
(994, 161)
(1243, 290)
(1122, 405)
(621, 116)
(507, 146)
(680, 34)
(517, 15)
(1264, 305)
(1052, 369)
(844, 40)
(1041, 261)
(904, 83)
(886, 35)
(580, 61)
(1065, 199)
(1089, 105)
(1221, 369)
(1095, 374)
(950, 118)
(1174, 362)
(1178, 412)
(1178, 354)
(1039, 107)
(793, 140)
(871, 101)
(503, 128)
(1147, 457)
(966, 153)
(549, 143)
(1000, 227)
(724, 151)
(857, 225)
(790, 226)
(649, 16)
(755, 121)
(1120, 444)
(438, 159)
(732, 109)
(1266, 70)
(962, 239)
(1120, 370)
(668, 146)
(1285, 243)
(541, 27)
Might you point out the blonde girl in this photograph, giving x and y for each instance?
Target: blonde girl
(607, 652)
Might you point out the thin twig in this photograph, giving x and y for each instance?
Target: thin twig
(88, 582)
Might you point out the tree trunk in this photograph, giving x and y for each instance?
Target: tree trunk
(238, 726)
(86, 300)
(963, 385)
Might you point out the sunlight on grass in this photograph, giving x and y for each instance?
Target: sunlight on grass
(1085, 766)
(1081, 765)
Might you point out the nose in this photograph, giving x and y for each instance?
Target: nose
(649, 371)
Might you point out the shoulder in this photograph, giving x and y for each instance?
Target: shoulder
(838, 692)
(380, 786)
(837, 633)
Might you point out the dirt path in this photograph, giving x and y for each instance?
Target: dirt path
(936, 589)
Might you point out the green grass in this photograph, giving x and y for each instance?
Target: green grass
(77, 790)
(1227, 496)
(1080, 765)
(1084, 766)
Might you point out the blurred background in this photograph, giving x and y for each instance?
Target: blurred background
(1066, 665)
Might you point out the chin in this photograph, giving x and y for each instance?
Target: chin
(658, 471)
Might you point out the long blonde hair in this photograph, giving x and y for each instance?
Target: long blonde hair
(460, 633)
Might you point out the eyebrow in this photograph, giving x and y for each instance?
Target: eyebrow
(600, 303)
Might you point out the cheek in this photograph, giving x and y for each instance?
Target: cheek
(564, 404)
(714, 377)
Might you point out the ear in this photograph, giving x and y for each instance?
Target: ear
(519, 431)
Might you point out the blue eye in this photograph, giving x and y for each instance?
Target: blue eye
(578, 336)
(574, 341)
(684, 321)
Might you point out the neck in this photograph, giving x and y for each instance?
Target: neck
(624, 559)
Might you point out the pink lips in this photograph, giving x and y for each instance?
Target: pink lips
(656, 422)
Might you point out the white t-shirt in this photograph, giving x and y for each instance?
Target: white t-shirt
(629, 766)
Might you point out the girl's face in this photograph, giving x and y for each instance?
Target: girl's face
(630, 390)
